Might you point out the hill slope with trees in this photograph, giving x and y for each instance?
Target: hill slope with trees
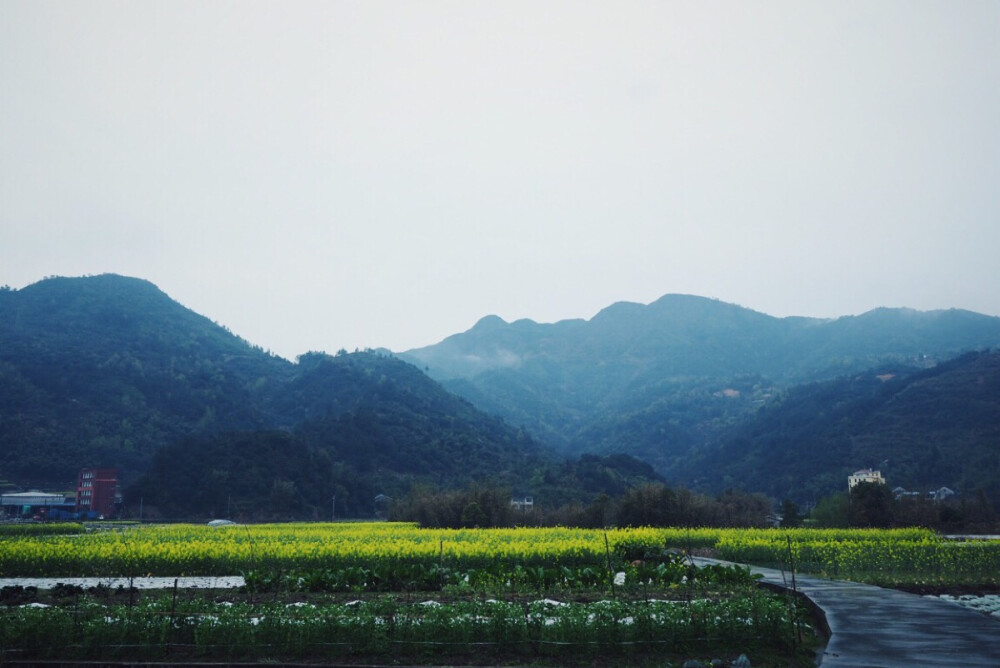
(923, 429)
(659, 381)
(109, 371)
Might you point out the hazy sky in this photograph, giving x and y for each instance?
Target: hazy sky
(325, 175)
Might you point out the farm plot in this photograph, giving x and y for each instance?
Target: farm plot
(902, 558)
(361, 592)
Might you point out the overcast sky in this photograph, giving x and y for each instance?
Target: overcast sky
(325, 175)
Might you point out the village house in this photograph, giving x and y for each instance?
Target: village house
(865, 475)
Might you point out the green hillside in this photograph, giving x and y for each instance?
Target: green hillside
(660, 381)
(109, 371)
(923, 429)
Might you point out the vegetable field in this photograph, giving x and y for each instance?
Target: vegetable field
(888, 557)
(360, 592)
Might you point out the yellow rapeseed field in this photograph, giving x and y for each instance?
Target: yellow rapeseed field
(185, 549)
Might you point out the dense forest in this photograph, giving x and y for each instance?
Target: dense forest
(106, 370)
(276, 475)
(923, 429)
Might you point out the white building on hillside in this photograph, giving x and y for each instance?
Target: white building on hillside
(522, 503)
(865, 475)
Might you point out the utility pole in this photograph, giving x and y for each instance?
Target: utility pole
(333, 509)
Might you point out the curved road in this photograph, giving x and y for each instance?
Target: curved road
(872, 627)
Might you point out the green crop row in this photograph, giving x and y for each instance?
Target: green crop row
(41, 529)
(669, 571)
(386, 627)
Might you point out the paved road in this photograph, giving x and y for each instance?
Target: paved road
(872, 627)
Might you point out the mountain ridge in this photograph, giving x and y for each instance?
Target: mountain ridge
(110, 369)
(688, 314)
(658, 381)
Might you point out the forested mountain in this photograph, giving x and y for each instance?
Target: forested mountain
(686, 335)
(109, 371)
(923, 429)
(657, 380)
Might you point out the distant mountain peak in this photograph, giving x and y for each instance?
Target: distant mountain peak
(95, 282)
(619, 309)
(683, 298)
(488, 323)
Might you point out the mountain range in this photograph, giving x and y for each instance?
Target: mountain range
(686, 374)
(109, 370)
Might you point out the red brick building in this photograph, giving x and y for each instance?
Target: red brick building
(97, 491)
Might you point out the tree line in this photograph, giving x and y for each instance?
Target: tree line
(873, 505)
(649, 504)
(658, 504)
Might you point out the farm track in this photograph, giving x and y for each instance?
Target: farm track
(874, 627)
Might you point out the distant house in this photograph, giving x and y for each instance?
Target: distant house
(382, 503)
(97, 491)
(34, 503)
(941, 494)
(522, 503)
(865, 475)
